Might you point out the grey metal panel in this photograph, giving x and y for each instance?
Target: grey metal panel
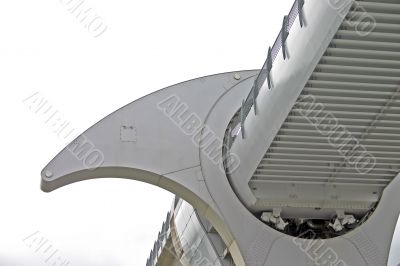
(394, 256)
(198, 248)
(164, 158)
(289, 78)
(301, 168)
(162, 154)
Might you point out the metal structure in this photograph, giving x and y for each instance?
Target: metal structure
(295, 164)
(187, 238)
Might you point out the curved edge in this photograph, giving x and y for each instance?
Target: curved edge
(180, 178)
(160, 181)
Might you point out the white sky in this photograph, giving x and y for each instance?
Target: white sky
(148, 45)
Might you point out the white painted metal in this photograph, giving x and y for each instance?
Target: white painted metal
(187, 239)
(289, 78)
(357, 80)
(161, 153)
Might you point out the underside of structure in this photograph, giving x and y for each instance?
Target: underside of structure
(338, 147)
(187, 238)
(267, 162)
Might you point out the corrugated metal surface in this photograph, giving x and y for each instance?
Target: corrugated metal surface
(358, 82)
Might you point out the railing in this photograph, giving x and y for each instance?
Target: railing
(237, 124)
(240, 117)
(160, 242)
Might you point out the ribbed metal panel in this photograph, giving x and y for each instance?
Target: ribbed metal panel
(358, 82)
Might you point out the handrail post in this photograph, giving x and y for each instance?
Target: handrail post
(269, 67)
(300, 4)
(284, 35)
(255, 93)
(242, 119)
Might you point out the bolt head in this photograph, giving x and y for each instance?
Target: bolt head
(48, 173)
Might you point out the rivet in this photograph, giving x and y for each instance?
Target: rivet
(237, 76)
(48, 174)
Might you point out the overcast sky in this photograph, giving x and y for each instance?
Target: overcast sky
(132, 48)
